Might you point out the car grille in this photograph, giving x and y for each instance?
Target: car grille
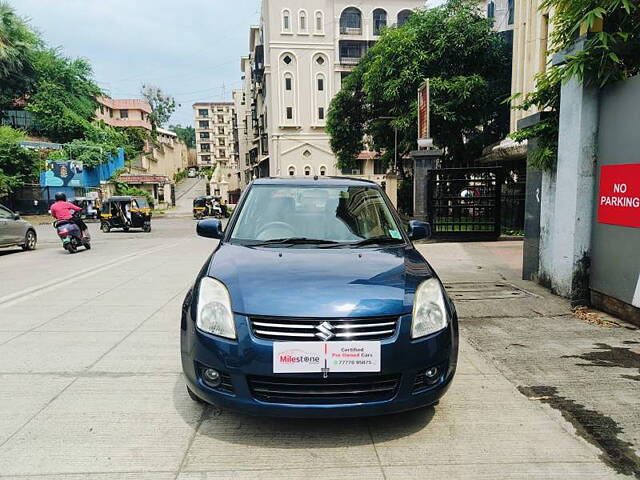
(323, 391)
(306, 329)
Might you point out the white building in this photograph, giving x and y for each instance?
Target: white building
(298, 57)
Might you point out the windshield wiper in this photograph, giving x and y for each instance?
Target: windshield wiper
(378, 241)
(293, 241)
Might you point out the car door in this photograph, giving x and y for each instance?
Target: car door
(8, 227)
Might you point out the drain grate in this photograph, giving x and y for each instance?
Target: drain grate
(467, 291)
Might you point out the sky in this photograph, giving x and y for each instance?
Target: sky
(189, 48)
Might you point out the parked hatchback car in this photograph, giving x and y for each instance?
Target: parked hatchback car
(315, 303)
(16, 232)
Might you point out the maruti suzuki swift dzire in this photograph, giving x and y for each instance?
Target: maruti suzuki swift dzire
(315, 303)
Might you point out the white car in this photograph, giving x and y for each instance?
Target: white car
(192, 173)
(15, 232)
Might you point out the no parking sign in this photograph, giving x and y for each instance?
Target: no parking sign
(619, 198)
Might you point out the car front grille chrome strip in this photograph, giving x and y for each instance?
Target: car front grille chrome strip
(309, 329)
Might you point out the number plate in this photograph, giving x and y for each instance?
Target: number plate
(326, 357)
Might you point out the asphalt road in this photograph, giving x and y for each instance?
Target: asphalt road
(91, 387)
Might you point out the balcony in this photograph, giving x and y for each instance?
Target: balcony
(351, 61)
(350, 30)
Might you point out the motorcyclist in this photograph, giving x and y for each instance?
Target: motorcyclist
(62, 210)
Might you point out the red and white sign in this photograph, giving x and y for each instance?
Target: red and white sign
(619, 198)
(424, 98)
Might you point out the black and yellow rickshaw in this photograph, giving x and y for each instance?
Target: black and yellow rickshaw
(125, 213)
(202, 207)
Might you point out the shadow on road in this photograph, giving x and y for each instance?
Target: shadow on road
(298, 433)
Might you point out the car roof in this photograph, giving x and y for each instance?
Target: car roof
(315, 181)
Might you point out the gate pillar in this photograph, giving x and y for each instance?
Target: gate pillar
(423, 161)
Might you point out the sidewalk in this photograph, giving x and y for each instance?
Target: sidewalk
(584, 367)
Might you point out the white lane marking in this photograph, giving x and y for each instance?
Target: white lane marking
(13, 298)
(636, 296)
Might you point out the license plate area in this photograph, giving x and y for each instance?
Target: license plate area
(326, 357)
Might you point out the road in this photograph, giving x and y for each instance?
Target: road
(186, 191)
(91, 387)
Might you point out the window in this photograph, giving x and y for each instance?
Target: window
(292, 171)
(403, 16)
(205, 147)
(203, 112)
(220, 109)
(379, 20)
(321, 113)
(320, 60)
(6, 214)
(287, 83)
(287, 59)
(307, 171)
(289, 113)
(102, 109)
(319, 22)
(222, 154)
(512, 12)
(220, 118)
(220, 130)
(204, 135)
(203, 123)
(124, 113)
(320, 84)
(222, 142)
(286, 21)
(491, 10)
(351, 21)
(303, 21)
(351, 50)
(323, 171)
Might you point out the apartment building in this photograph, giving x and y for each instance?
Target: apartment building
(124, 112)
(298, 57)
(214, 133)
(503, 14)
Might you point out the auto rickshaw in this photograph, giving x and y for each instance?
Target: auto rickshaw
(206, 207)
(125, 213)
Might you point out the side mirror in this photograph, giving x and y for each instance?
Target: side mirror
(419, 230)
(210, 229)
(16, 216)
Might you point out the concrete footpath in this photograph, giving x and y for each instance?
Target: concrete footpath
(91, 384)
(581, 367)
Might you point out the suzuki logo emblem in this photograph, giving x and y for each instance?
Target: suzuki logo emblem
(325, 331)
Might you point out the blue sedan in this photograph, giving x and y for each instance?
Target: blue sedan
(315, 303)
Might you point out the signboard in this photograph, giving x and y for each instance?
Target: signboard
(619, 197)
(424, 99)
(63, 174)
(326, 357)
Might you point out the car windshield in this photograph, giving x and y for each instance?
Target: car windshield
(310, 214)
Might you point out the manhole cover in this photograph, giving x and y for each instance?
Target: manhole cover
(467, 291)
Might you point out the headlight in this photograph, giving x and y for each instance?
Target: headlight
(214, 309)
(429, 312)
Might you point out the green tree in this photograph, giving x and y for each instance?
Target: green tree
(163, 105)
(17, 164)
(610, 54)
(186, 134)
(469, 68)
(17, 46)
(64, 97)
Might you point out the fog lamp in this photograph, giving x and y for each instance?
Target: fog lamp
(211, 377)
(431, 373)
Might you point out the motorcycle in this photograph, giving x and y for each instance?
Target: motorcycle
(71, 236)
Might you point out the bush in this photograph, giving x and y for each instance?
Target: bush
(17, 164)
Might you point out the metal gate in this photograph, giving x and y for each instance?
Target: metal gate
(464, 203)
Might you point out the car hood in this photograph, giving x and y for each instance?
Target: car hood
(311, 282)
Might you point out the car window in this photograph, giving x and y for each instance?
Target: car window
(336, 214)
(6, 214)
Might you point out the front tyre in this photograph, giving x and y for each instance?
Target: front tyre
(146, 228)
(30, 241)
(105, 227)
(195, 398)
(71, 247)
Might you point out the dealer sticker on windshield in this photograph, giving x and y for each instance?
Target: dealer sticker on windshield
(326, 357)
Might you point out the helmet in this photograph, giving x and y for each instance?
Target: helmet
(61, 196)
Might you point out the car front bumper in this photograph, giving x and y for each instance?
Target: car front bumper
(248, 357)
